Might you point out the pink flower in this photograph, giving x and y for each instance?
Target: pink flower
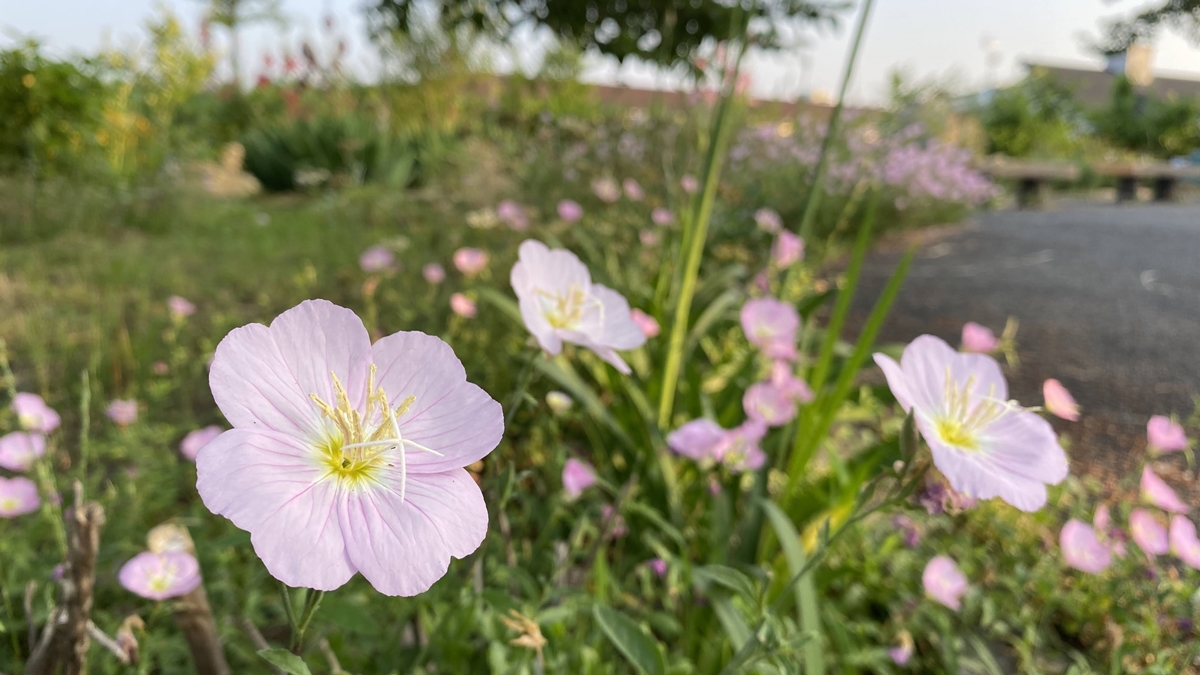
(771, 326)
(33, 414)
(658, 566)
(1156, 491)
(160, 576)
(377, 259)
(1059, 401)
(647, 323)
(345, 456)
(739, 449)
(513, 214)
(1148, 533)
(1102, 519)
(944, 582)
(434, 273)
(577, 476)
(559, 303)
(1162, 435)
(1184, 543)
(191, 444)
(697, 439)
(978, 339)
(633, 191)
(985, 445)
(18, 496)
(1081, 549)
(570, 211)
(768, 220)
(788, 250)
(606, 190)
(609, 515)
(462, 306)
(769, 404)
(648, 238)
(901, 654)
(783, 377)
(19, 450)
(689, 183)
(661, 216)
(470, 261)
(180, 308)
(123, 411)
(160, 368)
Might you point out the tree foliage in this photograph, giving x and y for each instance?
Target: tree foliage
(665, 32)
(1183, 15)
(1037, 117)
(1160, 127)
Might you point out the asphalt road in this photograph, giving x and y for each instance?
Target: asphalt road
(1108, 299)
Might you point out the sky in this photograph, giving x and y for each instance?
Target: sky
(928, 40)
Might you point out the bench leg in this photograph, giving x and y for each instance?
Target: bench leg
(1126, 189)
(1029, 193)
(1164, 189)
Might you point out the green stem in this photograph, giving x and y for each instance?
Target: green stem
(85, 402)
(694, 240)
(285, 593)
(311, 602)
(518, 395)
(831, 130)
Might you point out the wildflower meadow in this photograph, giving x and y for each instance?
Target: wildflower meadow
(532, 386)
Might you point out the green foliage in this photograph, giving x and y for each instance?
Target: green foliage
(50, 110)
(1141, 123)
(1038, 117)
(666, 32)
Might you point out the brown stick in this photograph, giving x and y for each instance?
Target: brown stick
(64, 642)
(256, 638)
(192, 612)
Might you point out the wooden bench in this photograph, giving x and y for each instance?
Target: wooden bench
(1029, 174)
(1163, 176)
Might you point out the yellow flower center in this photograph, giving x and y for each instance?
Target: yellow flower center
(963, 420)
(566, 310)
(9, 504)
(357, 448)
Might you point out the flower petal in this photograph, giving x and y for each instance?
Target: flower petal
(620, 330)
(261, 377)
(449, 414)
(268, 484)
(404, 547)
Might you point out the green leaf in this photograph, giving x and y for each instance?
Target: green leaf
(909, 443)
(731, 620)
(502, 302)
(806, 592)
(285, 661)
(627, 636)
(727, 577)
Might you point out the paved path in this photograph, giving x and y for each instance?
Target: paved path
(1108, 300)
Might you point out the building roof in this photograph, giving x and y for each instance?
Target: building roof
(1094, 87)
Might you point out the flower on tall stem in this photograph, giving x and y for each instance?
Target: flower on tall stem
(771, 325)
(433, 273)
(787, 250)
(122, 411)
(1059, 401)
(377, 259)
(1156, 491)
(1148, 533)
(978, 339)
(347, 457)
(33, 414)
(767, 403)
(190, 446)
(985, 445)
(160, 576)
(577, 476)
(569, 210)
(470, 261)
(19, 450)
(944, 582)
(559, 303)
(1184, 544)
(18, 496)
(1082, 549)
(1165, 435)
(462, 306)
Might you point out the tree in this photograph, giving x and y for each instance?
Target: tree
(665, 32)
(233, 14)
(1181, 14)
(1038, 117)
